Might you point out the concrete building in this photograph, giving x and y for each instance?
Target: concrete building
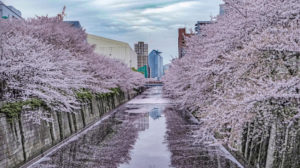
(155, 61)
(181, 41)
(199, 24)
(9, 12)
(141, 50)
(114, 49)
(222, 9)
(166, 68)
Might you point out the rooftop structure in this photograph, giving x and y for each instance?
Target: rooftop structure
(9, 12)
(200, 24)
(75, 24)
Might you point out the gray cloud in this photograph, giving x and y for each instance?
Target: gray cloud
(153, 21)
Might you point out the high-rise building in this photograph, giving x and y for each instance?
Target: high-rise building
(156, 64)
(9, 12)
(181, 41)
(141, 50)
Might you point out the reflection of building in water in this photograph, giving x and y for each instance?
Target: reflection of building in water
(155, 113)
(141, 121)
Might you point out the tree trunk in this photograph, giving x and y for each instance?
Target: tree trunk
(271, 147)
(247, 141)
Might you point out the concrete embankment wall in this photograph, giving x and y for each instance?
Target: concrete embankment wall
(21, 140)
(272, 144)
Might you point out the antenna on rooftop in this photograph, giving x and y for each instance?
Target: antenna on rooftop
(61, 15)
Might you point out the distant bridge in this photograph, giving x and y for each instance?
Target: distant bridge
(154, 83)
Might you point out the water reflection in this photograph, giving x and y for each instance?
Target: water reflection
(144, 133)
(142, 122)
(108, 145)
(155, 113)
(150, 150)
(133, 127)
(186, 151)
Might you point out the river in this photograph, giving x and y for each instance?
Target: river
(143, 133)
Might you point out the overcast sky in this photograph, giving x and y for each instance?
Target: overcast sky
(153, 21)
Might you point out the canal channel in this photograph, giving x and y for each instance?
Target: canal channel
(143, 133)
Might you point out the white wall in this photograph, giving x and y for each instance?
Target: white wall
(114, 49)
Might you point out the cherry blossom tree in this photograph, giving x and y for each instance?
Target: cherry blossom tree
(244, 64)
(47, 59)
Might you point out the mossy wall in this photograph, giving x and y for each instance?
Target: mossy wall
(20, 140)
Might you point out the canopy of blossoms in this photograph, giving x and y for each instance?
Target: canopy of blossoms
(47, 59)
(244, 64)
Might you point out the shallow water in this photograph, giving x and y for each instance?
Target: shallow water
(135, 136)
(150, 149)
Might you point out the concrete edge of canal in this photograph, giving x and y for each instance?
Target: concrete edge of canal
(23, 143)
(235, 157)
